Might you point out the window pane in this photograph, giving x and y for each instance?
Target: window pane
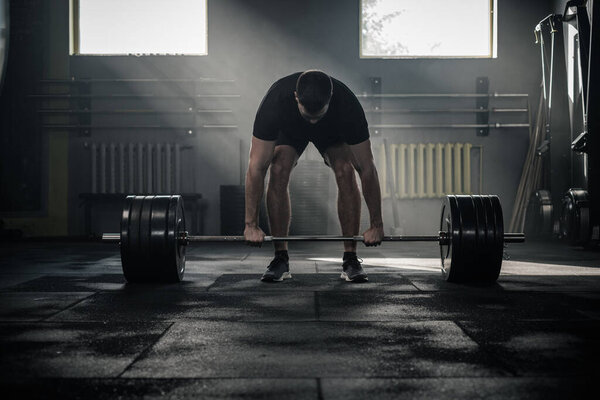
(142, 27)
(427, 28)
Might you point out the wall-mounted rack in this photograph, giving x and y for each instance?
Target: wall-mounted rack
(131, 111)
(133, 96)
(447, 126)
(101, 104)
(447, 110)
(144, 80)
(438, 95)
(425, 108)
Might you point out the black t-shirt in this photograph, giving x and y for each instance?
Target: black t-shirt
(278, 114)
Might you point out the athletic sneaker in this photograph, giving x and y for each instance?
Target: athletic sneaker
(278, 270)
(353, 271)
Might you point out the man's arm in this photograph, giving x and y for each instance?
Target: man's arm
(261, 154)
(365, 165)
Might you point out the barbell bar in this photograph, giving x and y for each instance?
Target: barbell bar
(442, 238)
(153, 238)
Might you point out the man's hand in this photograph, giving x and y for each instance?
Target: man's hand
(254, 236)
(373, 236)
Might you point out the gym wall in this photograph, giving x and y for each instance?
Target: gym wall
(256, 43)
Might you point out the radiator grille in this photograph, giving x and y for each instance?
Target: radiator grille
(135, 167)
(426, 170)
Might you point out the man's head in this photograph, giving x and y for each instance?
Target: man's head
(313, 93)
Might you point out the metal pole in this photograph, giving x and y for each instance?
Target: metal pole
(442, 238)
(312, 238)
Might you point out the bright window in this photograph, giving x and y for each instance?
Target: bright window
(117, 27)
(428, 28)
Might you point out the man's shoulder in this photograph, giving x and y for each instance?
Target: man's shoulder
(283, 87)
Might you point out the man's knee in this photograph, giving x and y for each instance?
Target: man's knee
(281, 170)
(344, 171)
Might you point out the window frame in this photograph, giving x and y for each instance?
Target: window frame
(75, 39)
(493, 40)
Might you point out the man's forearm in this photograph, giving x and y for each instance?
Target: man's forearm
(372, 194)
(255, 186)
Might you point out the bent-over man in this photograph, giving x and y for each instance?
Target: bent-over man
(312, 107)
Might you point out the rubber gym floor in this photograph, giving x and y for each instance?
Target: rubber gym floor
(70, 326)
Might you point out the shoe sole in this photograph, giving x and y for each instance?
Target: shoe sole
(285, 275)
(358, 278)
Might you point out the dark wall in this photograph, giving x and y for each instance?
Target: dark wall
(256, 42)
(21, 140)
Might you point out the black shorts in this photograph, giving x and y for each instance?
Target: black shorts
(300, 141)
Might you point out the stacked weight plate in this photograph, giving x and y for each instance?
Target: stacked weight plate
(153, 239)
(538, 220)
(575, 217)
(475, 229)
(150, 251)
(309, 196)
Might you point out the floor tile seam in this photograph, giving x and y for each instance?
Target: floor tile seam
(69, 306)
(82, 322)
(252, 321)
(344, 377)
(509, 291)
(146, 350)
(212, 284)
(489, 352)
(275, 321)
(309, 378)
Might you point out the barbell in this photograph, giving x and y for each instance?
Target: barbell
(153, 238)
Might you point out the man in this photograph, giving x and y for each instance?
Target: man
(297, 109)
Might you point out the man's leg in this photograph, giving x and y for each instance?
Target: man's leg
(278, 198)
(339, 158)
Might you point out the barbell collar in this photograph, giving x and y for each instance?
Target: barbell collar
(111, 237)
(512, 237)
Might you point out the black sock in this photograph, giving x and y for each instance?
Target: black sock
(349, 255)
(282, 253)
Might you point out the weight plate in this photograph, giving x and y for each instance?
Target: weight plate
(496, 251)
(538, 216)
(491, 257)
(132, 258)
(481, 237)
(450, 251)
(159, 242)
(175, 267)
(575, 219)
(490, 216)
(126, 260)
(468, 238)
(145, 249)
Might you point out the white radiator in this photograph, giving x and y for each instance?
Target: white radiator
(426, 170)
(135, 167)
